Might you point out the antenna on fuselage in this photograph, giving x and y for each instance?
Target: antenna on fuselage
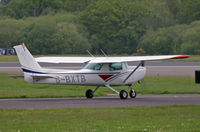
(89, 53)
(103, 52)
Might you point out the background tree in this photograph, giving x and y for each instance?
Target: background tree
(10, 33)
(189, 11)
(117, 24)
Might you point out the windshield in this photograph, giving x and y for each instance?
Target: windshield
(93, 66)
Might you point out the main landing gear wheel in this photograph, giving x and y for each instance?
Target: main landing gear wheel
(89, 93)
(132, 94)
(123, 94)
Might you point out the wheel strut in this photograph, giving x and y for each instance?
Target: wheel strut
(132, 93)
(123, 94)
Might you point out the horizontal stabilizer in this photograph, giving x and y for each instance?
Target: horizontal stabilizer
(41, 76)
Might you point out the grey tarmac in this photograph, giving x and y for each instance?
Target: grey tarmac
(102, 102)
(154, 68)
(147, 63)
(188, 71)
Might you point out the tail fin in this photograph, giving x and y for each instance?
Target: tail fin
(26, 60)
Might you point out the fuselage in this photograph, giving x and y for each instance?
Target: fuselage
(89, 75)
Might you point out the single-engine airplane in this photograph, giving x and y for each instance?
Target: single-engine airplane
(98, 71)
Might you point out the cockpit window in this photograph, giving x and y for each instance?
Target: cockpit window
(126, 64)
(115, 66)
(94, 66)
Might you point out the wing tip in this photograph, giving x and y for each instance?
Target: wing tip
(180, 57)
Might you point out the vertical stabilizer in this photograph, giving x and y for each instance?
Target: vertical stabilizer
(26, 60)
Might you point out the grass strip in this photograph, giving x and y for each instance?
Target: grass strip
(127, 119)
(18, 88)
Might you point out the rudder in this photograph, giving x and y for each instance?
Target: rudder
(26, 60)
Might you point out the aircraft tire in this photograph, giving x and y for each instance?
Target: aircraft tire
(123, 94)
(132, 94)
(89, 93)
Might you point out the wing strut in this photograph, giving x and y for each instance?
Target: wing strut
(89, 53)
(103, 52)
(141, 64)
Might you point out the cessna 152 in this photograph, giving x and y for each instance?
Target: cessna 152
(98, 71)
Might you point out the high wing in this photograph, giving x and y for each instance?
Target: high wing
(107, 59)
(136, 58)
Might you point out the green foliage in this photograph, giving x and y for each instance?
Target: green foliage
(189, 11)
(190, 38)
(23, 8)
(10, 33)
(116, 25)
(58, 34)
(161, 14)
(76, 5)
(162, 44)
(172, 40)
(190, 47)
(38, 35)
(68, 36)
(174, 6)
(14, 9)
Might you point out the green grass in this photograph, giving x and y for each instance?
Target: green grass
(168, 85)
(14, 58)
(8, 58)
(129, 119)
(18, 88)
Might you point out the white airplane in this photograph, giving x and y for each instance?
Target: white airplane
(98, 71)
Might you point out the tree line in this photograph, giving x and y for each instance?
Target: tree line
(116, 26)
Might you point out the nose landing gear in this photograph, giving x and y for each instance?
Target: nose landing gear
(132, 93)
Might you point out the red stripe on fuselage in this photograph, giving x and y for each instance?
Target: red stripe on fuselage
(104, 77)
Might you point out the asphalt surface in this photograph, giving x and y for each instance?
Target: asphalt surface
(154, 68)
(147, 63)
(102, 102)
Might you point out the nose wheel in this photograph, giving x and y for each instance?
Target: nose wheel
(132, 94)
